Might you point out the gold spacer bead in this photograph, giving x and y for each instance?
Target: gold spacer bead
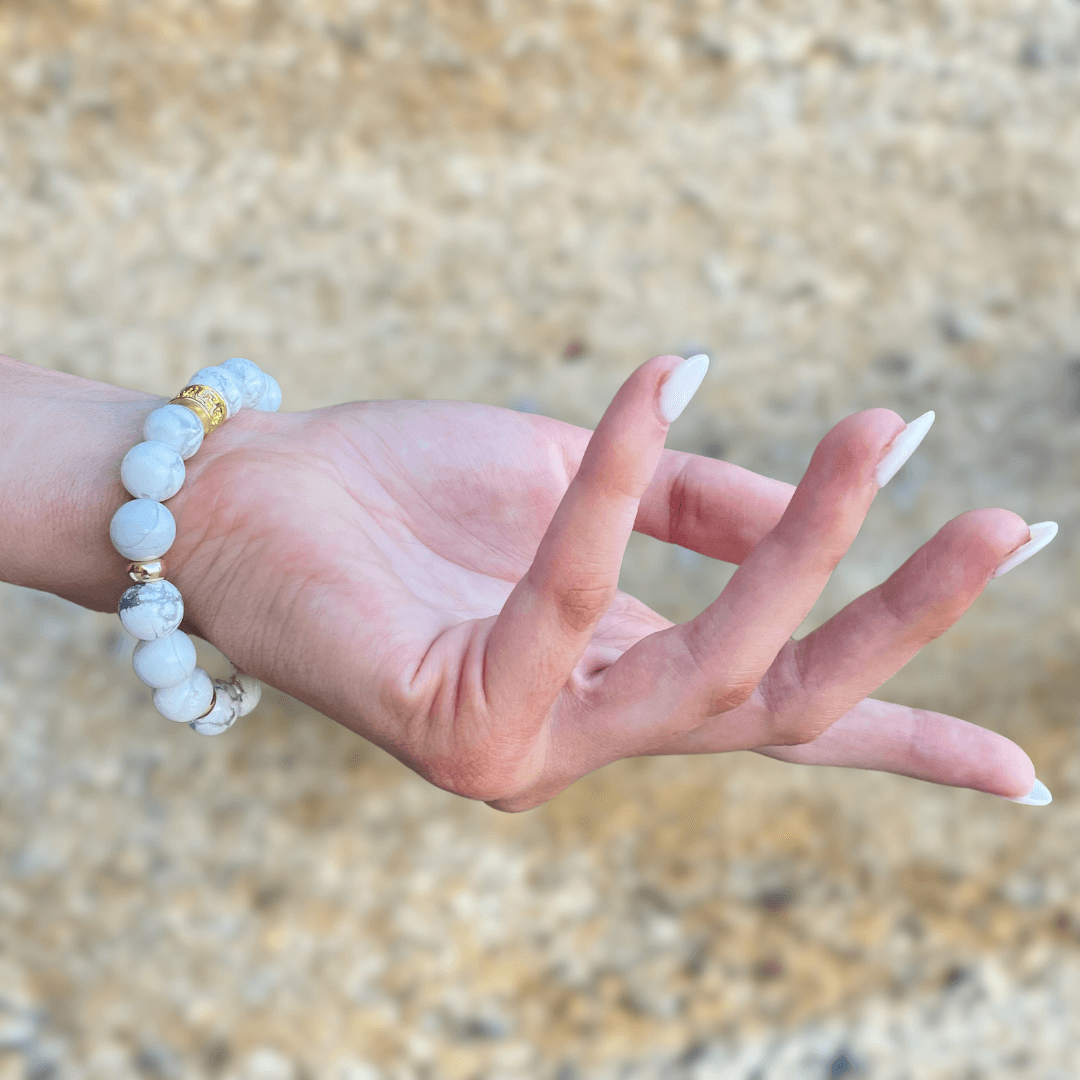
(206, 403)
(213, 702)
(152, 570)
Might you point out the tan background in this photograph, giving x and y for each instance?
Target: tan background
(846, 204)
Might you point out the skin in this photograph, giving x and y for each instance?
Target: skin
(441, 577)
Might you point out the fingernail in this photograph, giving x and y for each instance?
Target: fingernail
(1039, 795)
(902, 447)
(1041, 535)
(681, 385)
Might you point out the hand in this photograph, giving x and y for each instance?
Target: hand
(441, 577)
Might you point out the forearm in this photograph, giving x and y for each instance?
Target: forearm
(61, 442)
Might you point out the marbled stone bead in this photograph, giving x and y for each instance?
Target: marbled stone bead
(251, 375)
(245, 690)
(142, 529)
(151, 610)
(165, 661)
(221, 717)
(250, 692)
(152, 470)
(175, 426)
(271, 399)
(188, 700)
(225, 383)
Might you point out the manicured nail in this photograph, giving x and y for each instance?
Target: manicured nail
(681, 385)
(902, 447)
(1041, 535)
(1039, 795)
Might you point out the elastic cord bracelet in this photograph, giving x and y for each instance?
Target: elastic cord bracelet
(143, 530)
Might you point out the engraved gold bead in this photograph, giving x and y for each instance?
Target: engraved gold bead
(206, 403)
(151, 570)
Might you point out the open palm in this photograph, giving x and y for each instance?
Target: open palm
(441, 577)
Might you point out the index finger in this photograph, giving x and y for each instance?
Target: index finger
(548, 620)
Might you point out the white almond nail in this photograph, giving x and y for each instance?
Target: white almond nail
(681, 385)
(1041, 535)
(1039, 795)
(902, 447)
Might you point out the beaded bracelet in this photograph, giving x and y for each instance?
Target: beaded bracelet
(142, 530)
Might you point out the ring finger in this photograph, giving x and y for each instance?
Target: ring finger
(823, 679)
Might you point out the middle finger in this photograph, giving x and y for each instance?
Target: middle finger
(714, 662)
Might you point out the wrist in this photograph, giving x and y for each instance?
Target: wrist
(64, 438)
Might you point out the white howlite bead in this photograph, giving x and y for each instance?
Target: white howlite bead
(186, 701)
(151, 610)
(221, 717)
(245, 690)
(142, 529)
(250, 692)
(152, 470)
(271, 399)
(225, 383)
(251, 375)
(165, 661)
(175, 426)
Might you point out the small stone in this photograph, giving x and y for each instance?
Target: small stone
(842, 1065)
(267, 1064)
(776, 901)
(770, 968)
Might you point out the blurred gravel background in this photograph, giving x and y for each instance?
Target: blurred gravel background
(847, 205)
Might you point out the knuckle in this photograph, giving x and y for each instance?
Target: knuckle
(689, 509)
(785, 691)
(735, 693)
(579, 606)
(794, 730)
(736, 688)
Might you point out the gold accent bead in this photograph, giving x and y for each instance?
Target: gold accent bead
(213, 702)
(206, 403)
(151, 570)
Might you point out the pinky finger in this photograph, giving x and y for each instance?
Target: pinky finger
(925, 745)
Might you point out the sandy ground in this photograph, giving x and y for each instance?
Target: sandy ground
(847, 205)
